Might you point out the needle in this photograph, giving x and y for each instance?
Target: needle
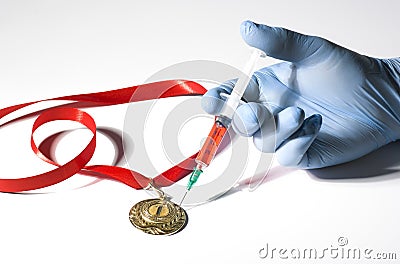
(193, 178)
(183, 198)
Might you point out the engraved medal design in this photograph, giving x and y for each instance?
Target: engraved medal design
(158, 217)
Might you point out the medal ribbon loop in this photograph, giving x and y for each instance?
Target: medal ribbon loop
(150, 91)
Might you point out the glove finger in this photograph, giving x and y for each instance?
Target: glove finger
(282, 43)
(287, 122)
(212, 101)
(293, 151)
(249, 118)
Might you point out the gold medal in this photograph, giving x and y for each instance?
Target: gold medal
(158, 216)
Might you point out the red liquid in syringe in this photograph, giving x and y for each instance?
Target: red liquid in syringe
(211, 144)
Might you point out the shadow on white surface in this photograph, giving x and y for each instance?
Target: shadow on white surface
(272, 174)
(380, 165)
(48, 148)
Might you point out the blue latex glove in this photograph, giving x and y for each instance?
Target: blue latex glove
(331, 105)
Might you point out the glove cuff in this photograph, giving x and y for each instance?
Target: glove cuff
(393, 68)
(389, 89)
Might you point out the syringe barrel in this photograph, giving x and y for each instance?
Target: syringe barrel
(210, 145)
(222, 123)
(243, 81)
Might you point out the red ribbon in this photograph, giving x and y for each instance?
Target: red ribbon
(131, 178)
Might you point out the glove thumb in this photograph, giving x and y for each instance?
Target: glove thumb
(281, 43)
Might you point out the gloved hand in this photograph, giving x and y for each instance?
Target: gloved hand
(330, 105)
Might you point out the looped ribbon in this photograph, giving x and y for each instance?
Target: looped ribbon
(150, 91)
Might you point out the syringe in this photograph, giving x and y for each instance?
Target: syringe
(223, 121)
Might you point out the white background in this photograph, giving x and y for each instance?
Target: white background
(55, 48)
